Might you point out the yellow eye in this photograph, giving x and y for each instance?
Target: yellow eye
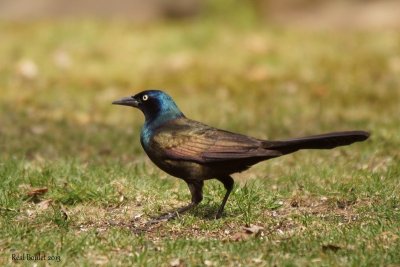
(145, 97)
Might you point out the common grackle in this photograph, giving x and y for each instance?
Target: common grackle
(195, 152)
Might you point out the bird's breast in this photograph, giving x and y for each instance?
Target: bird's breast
(145, 136)
(179, 168)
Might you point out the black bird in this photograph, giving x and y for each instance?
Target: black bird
(194, 152)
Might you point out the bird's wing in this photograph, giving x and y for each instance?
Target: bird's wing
(193, 141)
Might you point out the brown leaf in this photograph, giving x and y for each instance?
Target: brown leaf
(253, 229)
(37, 191)
(248, 231)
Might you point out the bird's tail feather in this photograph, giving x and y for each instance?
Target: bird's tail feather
(322, 141)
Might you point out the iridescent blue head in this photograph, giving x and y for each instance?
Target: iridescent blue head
(156, 105)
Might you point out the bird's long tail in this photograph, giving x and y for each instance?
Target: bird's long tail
(322, 141)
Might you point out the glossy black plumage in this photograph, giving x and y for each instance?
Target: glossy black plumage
(195, 152)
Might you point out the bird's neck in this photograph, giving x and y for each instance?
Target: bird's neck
(161, 118)
(157, 116)
(161, 114)
(154, 122)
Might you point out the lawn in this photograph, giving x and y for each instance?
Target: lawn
(76, 185)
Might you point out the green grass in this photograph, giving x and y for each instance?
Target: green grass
(317, 208)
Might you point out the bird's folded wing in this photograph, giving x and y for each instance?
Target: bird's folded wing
(206, 145)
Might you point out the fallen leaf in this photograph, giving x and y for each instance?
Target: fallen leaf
(37, 191)
(253, 229)
(248, 231)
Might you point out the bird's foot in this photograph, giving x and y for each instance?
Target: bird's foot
(218, 215)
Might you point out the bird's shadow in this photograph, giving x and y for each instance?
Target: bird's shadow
(204, 211)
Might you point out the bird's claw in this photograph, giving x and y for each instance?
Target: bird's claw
(218, 215)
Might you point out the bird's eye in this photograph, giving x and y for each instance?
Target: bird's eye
(145, 97)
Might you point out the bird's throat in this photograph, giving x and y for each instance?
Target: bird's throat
(155, 120)
(151, 125)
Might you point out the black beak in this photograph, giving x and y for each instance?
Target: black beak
(127, 101)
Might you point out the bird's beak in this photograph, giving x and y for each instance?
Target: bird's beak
(127, 101)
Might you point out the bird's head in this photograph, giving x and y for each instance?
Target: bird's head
(154, 104)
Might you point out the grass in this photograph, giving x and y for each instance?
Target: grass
(59, 132)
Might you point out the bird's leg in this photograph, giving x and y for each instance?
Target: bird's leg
(196, 190)
(228, 184)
